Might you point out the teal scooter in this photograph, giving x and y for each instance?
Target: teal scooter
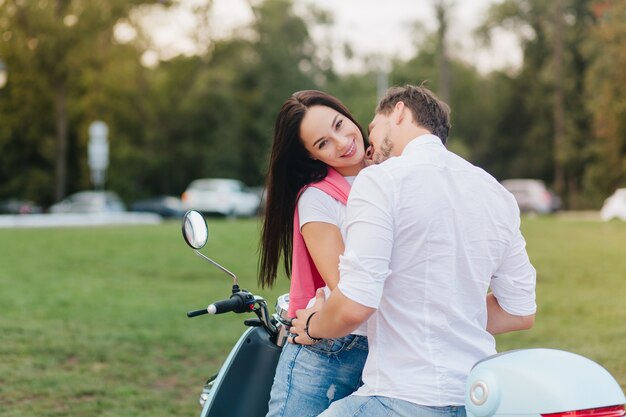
(542, 383)
(242, 385)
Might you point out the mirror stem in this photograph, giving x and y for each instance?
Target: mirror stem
(235, 282)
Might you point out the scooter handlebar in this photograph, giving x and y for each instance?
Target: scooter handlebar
(234, 303)
(239, 302)
(195, 313)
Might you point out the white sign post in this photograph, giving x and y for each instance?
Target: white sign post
(3, 74)
(98, 152)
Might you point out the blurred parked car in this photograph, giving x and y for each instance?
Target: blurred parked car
(614, 207)
(262, 193)
(165, 206)
(15, 206)
(223, 196)
(90, 202)
(532, 196)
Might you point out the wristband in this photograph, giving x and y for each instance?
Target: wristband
(306, 329)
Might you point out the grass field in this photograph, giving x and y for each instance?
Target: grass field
(93, 319)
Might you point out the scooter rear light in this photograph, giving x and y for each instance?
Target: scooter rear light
(612, 411)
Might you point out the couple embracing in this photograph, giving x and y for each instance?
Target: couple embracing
(400, 275)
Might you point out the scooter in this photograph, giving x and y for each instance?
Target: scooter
(542, 383)
(242, 385)
(518, 383)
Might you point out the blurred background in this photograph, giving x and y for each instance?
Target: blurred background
(190, 88)
(160, 106)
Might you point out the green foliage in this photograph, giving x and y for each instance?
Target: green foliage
(283, 63)
(65, 71)
(212, 115)
(94, 321)
(542, 89)
(194, 123)
(473, 100)
(606, 101)
(357, 92)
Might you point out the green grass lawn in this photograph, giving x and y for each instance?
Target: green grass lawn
(93, 319)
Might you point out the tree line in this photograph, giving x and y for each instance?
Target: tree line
(559, 117)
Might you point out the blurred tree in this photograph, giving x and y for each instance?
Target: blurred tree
(549, 117)
(357, 91)
(59, 52)
(442, 13)
(26, 138)
(206, 115)
(196, 119)
(214, 113)
(283, 61)
(469, 92)
(606, 100)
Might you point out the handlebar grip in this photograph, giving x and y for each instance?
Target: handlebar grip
(195, 313)
(224, 306)
(239, 302)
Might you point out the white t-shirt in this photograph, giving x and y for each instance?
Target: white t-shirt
(315, 205)
(428, 234)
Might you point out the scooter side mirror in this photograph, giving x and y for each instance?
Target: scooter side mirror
(195, 229)
(196, 234)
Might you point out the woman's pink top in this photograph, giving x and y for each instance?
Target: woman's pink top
(305, 278)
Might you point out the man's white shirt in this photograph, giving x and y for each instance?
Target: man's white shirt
(428, 234)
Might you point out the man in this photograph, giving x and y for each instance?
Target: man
(428, 235)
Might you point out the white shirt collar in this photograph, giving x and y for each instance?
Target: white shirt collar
(421, 141)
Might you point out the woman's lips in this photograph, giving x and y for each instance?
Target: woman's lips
(350, 151)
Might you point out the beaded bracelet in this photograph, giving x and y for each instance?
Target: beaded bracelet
(306, 329)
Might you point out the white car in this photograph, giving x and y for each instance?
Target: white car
(532, 196)
(223, 196)
(614, 207)
(90, 202)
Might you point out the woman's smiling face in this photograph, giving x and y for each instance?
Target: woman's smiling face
(334, 139)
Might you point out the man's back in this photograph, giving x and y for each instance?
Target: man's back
(432, 230)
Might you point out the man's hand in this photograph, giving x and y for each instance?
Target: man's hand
(298, 324)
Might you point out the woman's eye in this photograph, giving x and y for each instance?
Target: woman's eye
(322, 144)
(339, 124)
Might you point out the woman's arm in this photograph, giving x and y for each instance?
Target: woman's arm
(325, 244)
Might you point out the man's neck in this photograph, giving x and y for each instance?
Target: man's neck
(410, 134)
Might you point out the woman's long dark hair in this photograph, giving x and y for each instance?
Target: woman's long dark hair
(290, 169)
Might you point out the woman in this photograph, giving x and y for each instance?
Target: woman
(318, 150)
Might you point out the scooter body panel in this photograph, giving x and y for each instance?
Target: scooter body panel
(531, 382)
(243, 384)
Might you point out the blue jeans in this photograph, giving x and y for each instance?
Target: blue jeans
(355, 405)
(309, 378)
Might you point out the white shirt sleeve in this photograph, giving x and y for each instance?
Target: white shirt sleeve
(364, 267)
(315, 205)
(513, 284)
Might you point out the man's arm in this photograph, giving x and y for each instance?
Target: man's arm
(511, 305)
(499, 321)
(364, 266)
(339, 316)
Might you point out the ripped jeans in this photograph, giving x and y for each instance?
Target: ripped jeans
(309, 378)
